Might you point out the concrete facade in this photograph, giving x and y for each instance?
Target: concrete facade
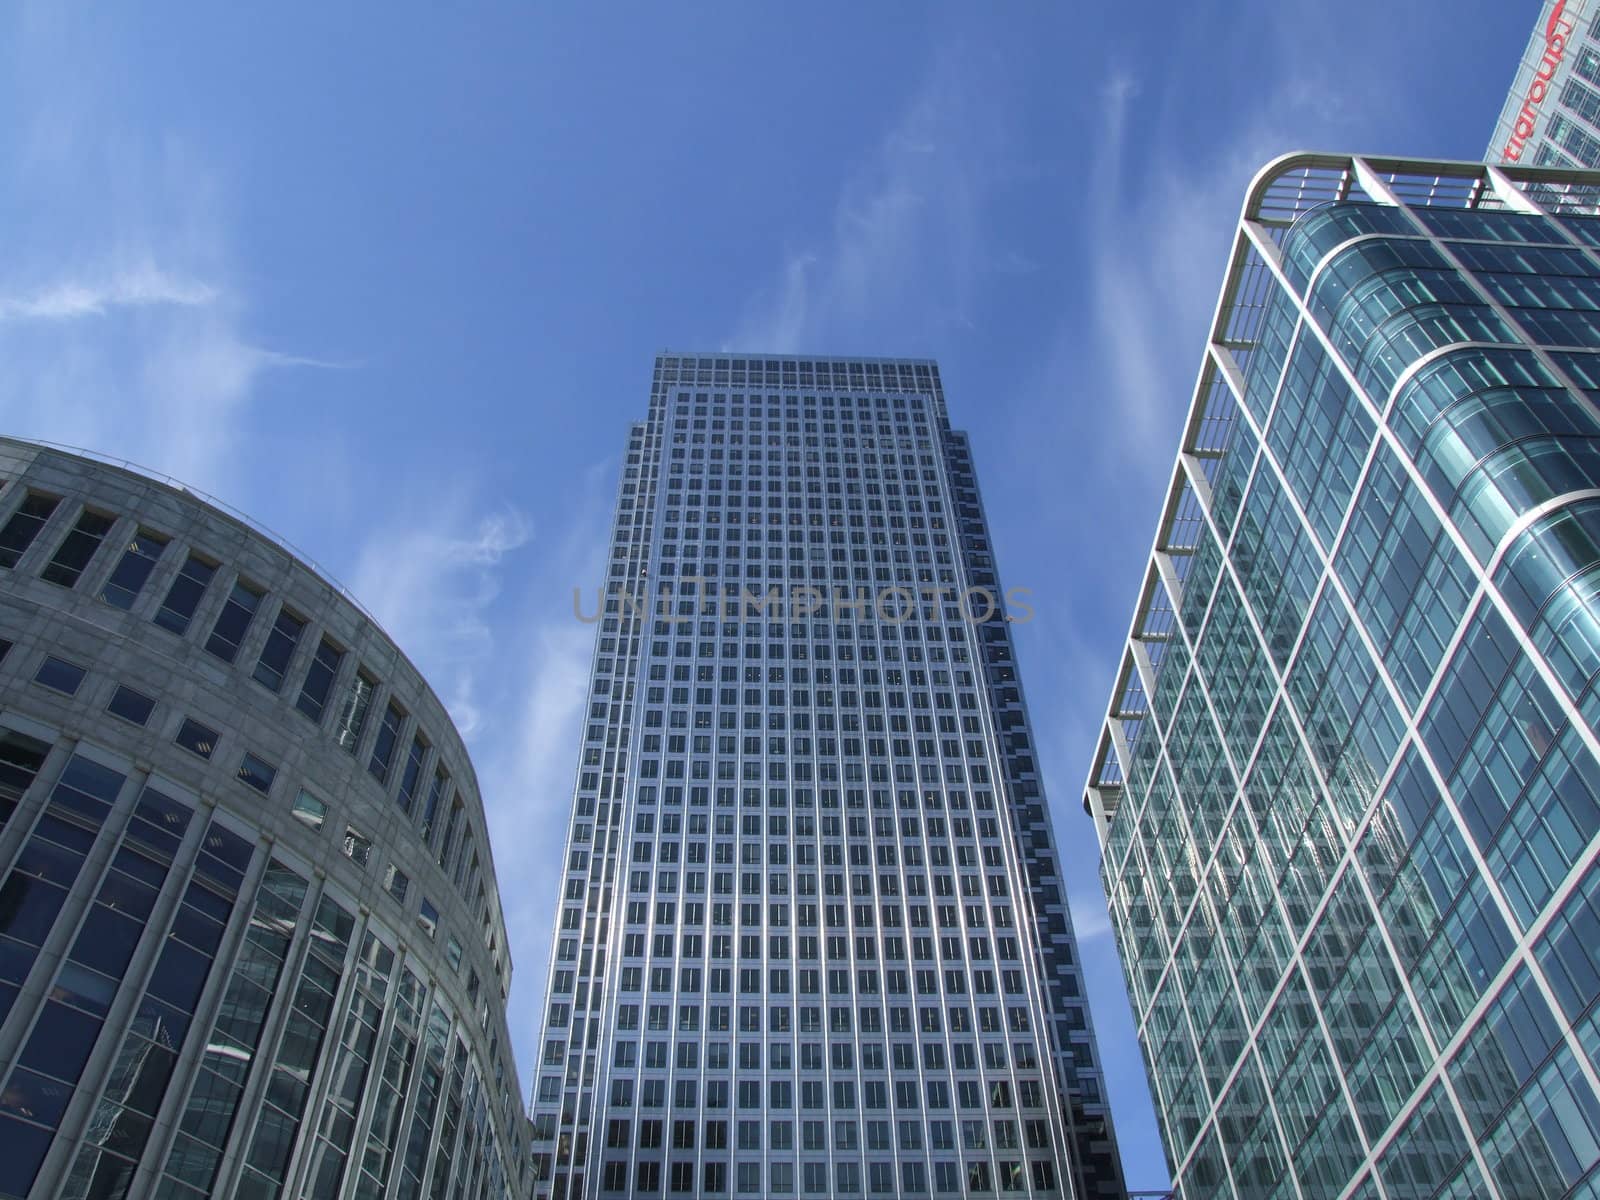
(250, 938)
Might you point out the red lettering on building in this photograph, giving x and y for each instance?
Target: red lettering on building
(1555, 50)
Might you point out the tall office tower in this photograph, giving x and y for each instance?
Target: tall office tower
(812, 938)
(250, 944)
(1552, 113)
(1348, 789)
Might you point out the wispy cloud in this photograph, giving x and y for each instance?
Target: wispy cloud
(906, 227)
(93, 296)
(431, 579)
(124, 324)
(540, 680)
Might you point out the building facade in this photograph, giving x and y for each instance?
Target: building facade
(812, 938)
(1348, 788)
(250, 942)
(1552, 112)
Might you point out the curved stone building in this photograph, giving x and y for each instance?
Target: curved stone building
(250, 939)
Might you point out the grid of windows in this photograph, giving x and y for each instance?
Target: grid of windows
(1552, 112)
(796, 950)
(183, 952)
(1348, 792)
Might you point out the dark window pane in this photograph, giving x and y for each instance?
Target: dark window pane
(60, 675)
(26, 1146)
(23, 527)
(133, 569)
(228, 848)
(275, 655)
(183, 597)
(89, 791)
(90, 989)
(234, 621)
(196, 738)
(180, 975)
(35, 1097)
(319, 681)
(107, 940)
(257, 774)
(412, 773)
(131, 705)
(383, 745)
(28, 907)
(61, 1041)
(20, 759)
(77, 548)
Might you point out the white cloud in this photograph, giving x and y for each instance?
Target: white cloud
(538, 681)
(65, 299)
(123, 325)
(905, 227)
(430, 580)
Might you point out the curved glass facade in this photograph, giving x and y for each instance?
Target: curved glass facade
(1349, 788)
(250, 943)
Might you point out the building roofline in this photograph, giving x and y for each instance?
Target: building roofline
(1285, 189)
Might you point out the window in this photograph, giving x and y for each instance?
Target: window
(430, 813)
(59, 675)
(275, 655)
(234, 621)
(397, 882)
(196, 738)
(452, 953)
(319, 680)
(77, 548)
(183, 597)
(24, 526)
(131, 705)
(310, 810)
(128, 577)
(410, 776)
(428, 917)
(353, 716)
(383, 745)
(356, 847)
(257, 773)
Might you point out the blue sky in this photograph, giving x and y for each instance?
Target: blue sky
(391, 280)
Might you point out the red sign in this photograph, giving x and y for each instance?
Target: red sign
(1555, 50)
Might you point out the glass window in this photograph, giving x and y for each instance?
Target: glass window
(309, 809)
(128, 577)
(59, 675)
(398, 882)
(357, 847)
(196, 738)
(77, 548)
(383, 745)
(131, 705)
(428, 917)
(353, 716)
(234, 621)
(275, 655)
(452, 953)
(24, 526)
(319, 680)
(411, 774)
(183, 597)
(257, 773)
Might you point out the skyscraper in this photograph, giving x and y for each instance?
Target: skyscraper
(812, 938)
(250, 942)
(1348, 788)
(1552, 113)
